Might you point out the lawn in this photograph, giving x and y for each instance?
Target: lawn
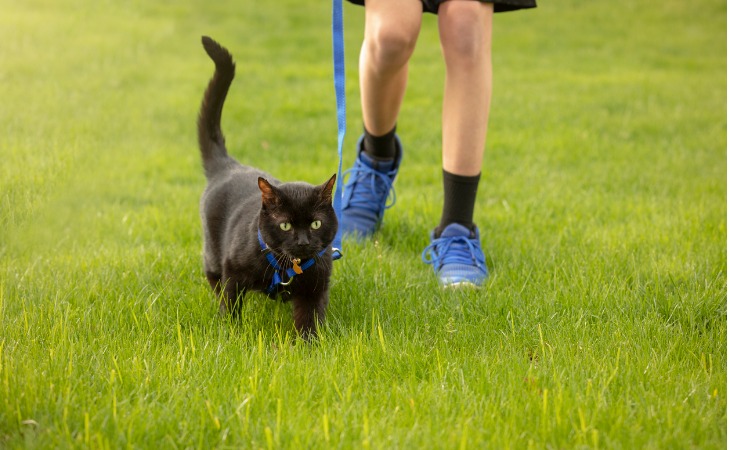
(603, 212)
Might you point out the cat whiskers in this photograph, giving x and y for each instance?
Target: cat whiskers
(269, 267)
(285, 261)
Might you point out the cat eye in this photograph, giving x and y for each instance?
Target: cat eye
(286, 226)
(316, 224)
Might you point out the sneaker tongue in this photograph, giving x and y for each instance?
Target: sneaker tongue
(383, 165)
(455, 229)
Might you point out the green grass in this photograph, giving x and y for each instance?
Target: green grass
(603, 213)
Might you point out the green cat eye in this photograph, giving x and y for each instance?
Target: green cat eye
(286, 226)
(316, 224)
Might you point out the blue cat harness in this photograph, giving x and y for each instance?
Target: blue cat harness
(278, 270)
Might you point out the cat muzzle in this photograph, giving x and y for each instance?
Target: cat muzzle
(279, 272)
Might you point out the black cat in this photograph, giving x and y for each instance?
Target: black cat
(259, 233)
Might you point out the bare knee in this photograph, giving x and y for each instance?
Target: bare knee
(465, 29)
(390, 47)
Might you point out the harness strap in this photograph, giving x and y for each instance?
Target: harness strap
(338, 51)
(278, 270)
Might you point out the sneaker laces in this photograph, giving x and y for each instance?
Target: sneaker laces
(452, 250)
(369, 186)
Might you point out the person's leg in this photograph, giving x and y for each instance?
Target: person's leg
(391, 31)
(465, 29)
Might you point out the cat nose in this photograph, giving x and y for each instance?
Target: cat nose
(302, 239)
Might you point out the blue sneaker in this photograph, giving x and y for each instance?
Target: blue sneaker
(368, 192)
(457, 257)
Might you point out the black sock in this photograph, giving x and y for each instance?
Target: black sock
(460, 194)
(380, 147)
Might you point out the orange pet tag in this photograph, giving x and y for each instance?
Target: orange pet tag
(295, 265)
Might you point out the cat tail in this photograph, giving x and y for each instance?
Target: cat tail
(210, 137)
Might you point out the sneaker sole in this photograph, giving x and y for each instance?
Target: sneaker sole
(460, 285)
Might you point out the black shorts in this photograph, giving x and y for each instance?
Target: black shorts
(432, 6)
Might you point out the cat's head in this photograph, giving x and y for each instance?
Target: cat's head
(297, 219)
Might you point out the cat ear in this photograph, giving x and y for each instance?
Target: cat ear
(326, 194)
(268, 194)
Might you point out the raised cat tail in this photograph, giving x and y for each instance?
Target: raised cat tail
(210, 137)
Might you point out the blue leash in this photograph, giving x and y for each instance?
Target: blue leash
(338, 51)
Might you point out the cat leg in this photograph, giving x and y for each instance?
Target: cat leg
(214, 279)
(308, 312)
(231, 298)
(212, 269)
